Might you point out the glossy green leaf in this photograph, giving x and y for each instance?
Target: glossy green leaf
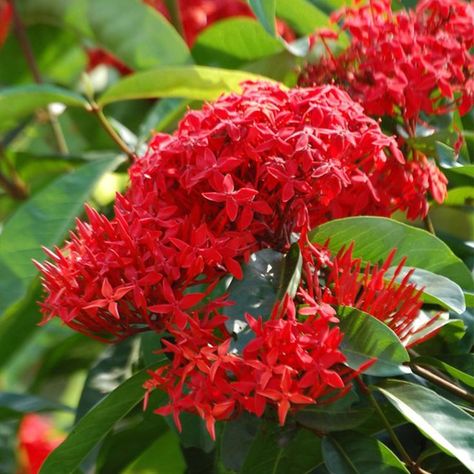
(467, 170)
(375, 237)
(188, 82)
(137, 34)
(437, 418)
(44, 220)
(290, 274)
(265, 12)
(366, 338)
(95, 425)
(279, 451)
(113, 367)
(302, 16)
(437, 288)
(16, 103)
(233, 42)
(353, 453)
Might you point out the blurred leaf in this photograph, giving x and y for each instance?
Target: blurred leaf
(17, 404)
(353, 453)
(112, 368)
(43, 220)
(437, 418)
(8, 446)
(374, 237)
(366, 338)
(232, 42)
(18, 102)
(302, 16)
(136, 34)
(189, 82)
(437, 288)
(449, 369)
(280, 67)
(430, 144)
(460, 196)
(95, 425)
(265, 12)
(281, 451)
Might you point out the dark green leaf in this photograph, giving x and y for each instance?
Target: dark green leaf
(137, 34)
(233, 42)
(437, 418)
(437, 288)
(265, 12)
(114, 366)
(16, 103)
(280, 451)
(366, 338)
(189, 82)
(44, 220)
(353, 453)
(95, 425)
(290, 274)
(374, 238)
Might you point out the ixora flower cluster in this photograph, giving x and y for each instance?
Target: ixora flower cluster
(405, 65)
(244, 173)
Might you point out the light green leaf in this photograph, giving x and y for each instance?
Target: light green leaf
(265, 12)
(437, 288)
(95, 425)
(301, 15)
(233, 42)
(365, 338)
(353, 453)
(375, 237)
(44, 220)
(188, 82)
(137, 34)
(437, 418)
(16, 103)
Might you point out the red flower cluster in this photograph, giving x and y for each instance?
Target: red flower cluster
(293, 358)
(404, 63)
(239, 175)
(37, 438)
(6, 13)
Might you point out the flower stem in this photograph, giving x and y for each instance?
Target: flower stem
(13, 186)
(106, 125)
(25, 45)
(441, 382)
(429, 225)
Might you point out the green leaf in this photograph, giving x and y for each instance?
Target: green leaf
(113, 367)
(137, 34)
(290, 274)
(44, 220)
(280, 451)
(467, 170)
(460, 196)
(353, 453)
(302, 16)
(328, 420)
(449, 369)
(188, 82)
(18, 404)
(95, 425)
(366, 338)
(18, 102)
(437, 288)
(265, 12)
(374, 237)
(437, 418)
(233, 42)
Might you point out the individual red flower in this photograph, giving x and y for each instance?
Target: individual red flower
(37, 438)
(242, 174)
(6, 12)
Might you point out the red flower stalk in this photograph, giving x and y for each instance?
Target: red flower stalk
(37, 438)
(240, 175)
